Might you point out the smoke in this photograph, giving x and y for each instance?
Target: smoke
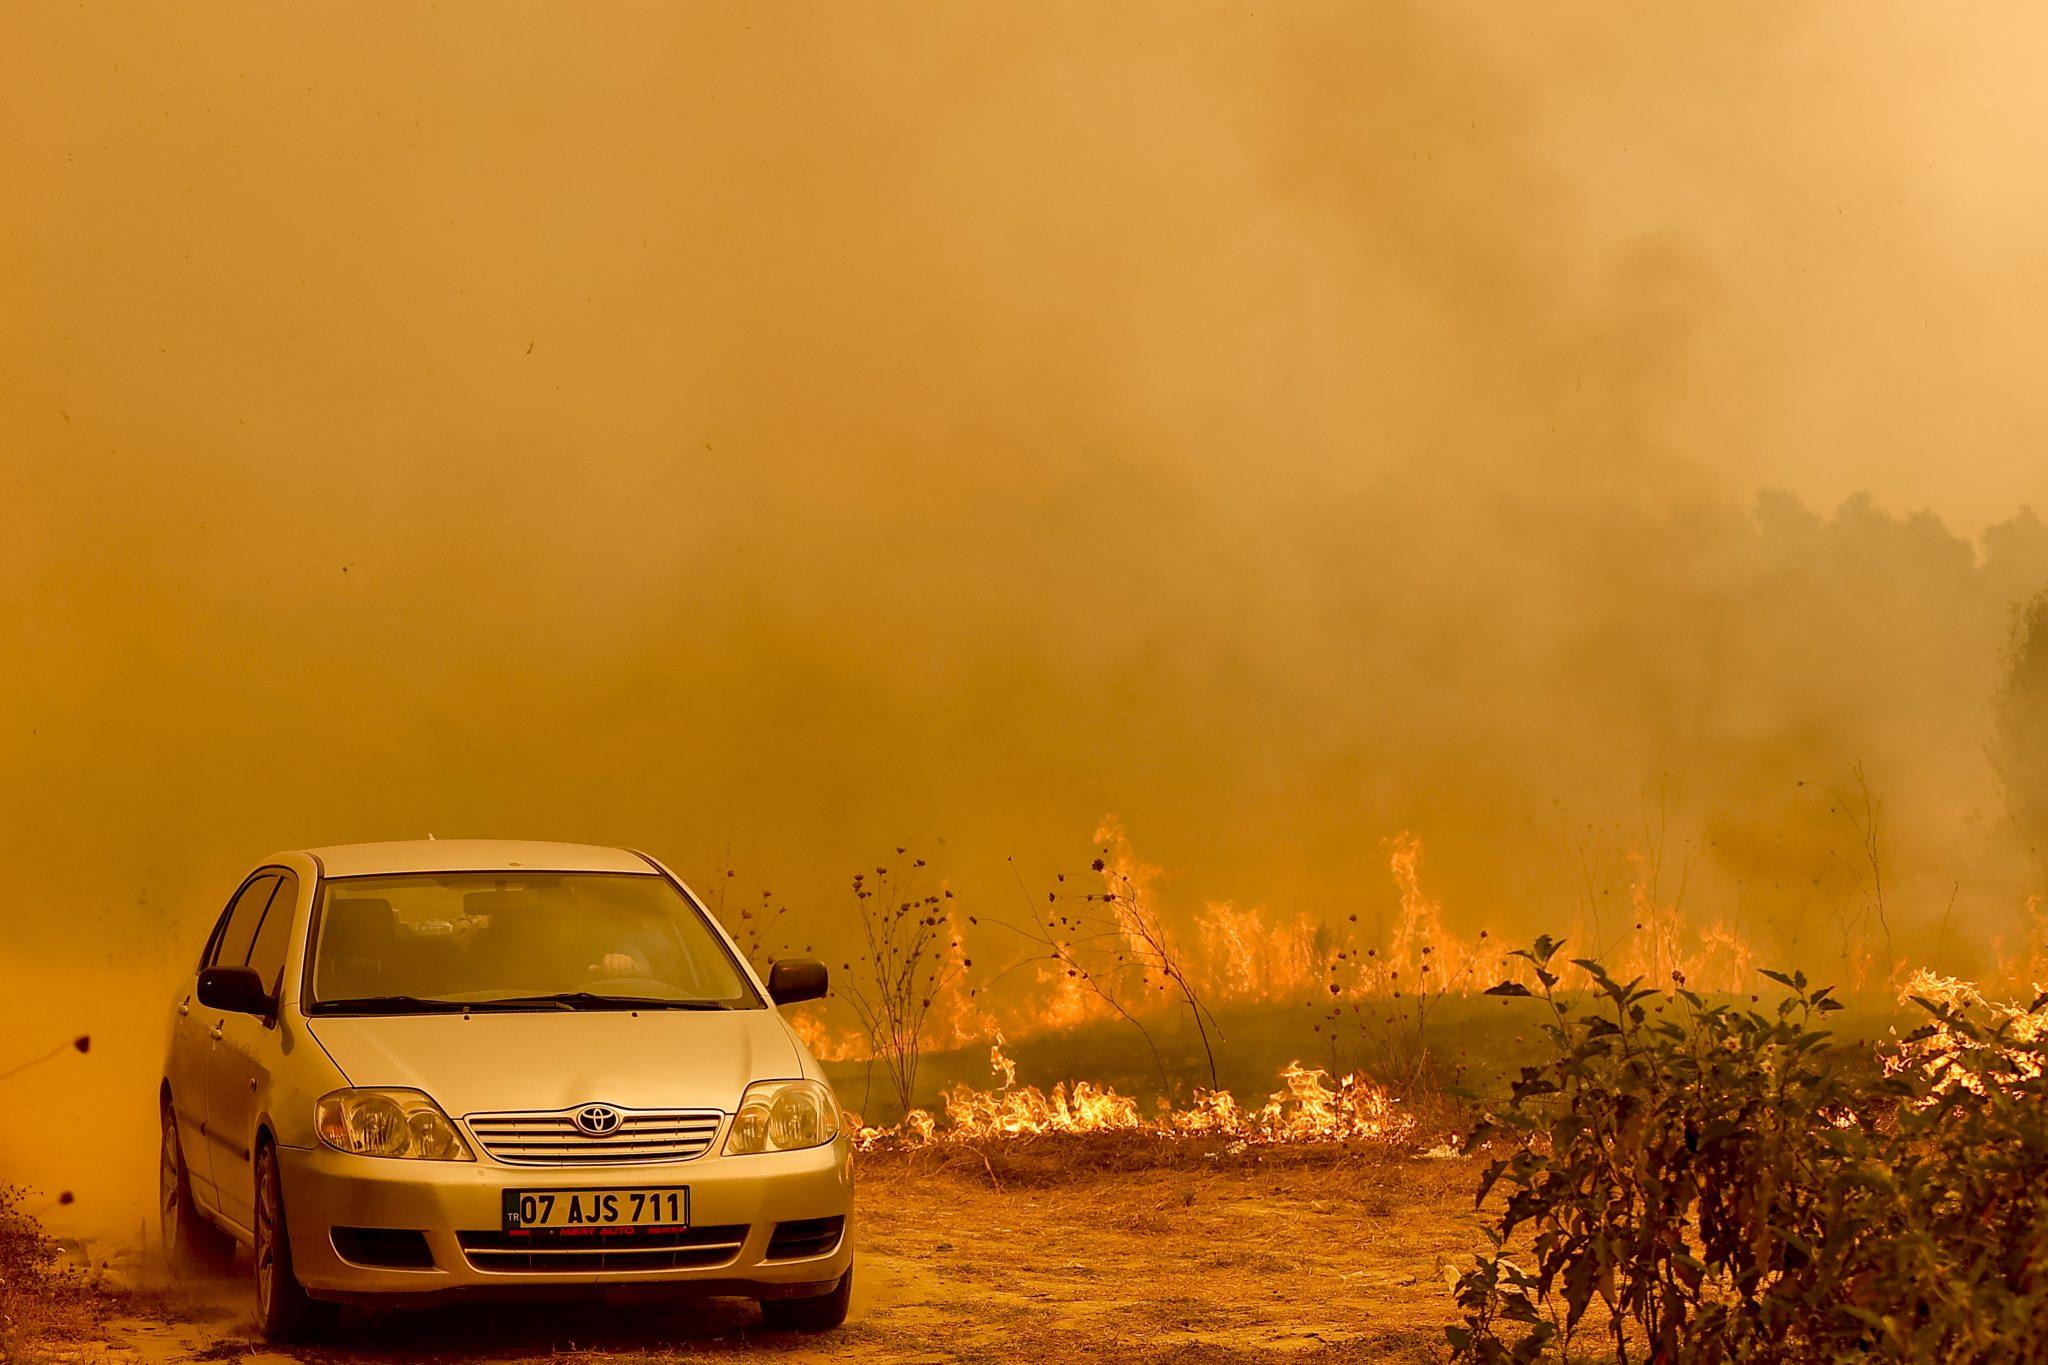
(775, 436)
(2021, 746)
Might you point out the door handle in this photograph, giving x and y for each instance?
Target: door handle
(216, 1033)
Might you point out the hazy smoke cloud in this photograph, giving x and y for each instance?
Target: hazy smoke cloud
(785, 434)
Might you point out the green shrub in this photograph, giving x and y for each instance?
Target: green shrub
(1691, 1181)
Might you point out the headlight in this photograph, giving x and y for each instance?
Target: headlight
(783, 1116)
(389, 1123)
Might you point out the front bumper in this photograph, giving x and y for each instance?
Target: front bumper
(442, 1200)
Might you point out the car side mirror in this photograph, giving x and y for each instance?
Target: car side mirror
(800, 978)
(238, 990)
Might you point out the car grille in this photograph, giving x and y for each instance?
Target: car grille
(564, 1251)
(553, 1139)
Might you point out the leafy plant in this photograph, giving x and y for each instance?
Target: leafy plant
(1693, 1181)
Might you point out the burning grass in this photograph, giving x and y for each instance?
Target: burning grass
(1309, 1107)
(1382, 1004)
(1964, 1022)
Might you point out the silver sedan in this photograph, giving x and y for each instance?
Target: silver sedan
(411, 1072)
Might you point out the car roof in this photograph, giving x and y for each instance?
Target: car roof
(473, 855)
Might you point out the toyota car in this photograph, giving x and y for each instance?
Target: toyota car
(412, 1072)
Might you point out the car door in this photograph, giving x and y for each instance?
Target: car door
(185, 1066)
(195, 1082)
(243, 1045)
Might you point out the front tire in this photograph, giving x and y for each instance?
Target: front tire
(820, 1314)
(193, 1247)
(284, 1311)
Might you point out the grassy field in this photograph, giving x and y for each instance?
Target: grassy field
(1467, 1038)
(1468, 1043)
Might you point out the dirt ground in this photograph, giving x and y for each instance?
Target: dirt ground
(1043, 1251)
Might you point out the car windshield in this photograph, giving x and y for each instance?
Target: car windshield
(542, 940)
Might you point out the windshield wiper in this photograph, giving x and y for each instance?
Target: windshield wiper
(388, 1004)
(416, 1004)
(587, 1000)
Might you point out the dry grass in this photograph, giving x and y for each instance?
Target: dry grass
(42, 1299)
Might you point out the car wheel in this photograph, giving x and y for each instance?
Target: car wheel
(284, 1311)
(819, 1314)
(192, 1246)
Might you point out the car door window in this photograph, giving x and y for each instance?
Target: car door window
(231, 945)
(266, 955)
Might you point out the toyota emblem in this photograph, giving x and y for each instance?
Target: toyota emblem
(597, 1120)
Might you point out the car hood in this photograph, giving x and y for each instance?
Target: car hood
(553, 1059)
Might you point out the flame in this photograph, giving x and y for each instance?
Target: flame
(1130, 880)
(826, 1043)
(1308, 1107)
(1936, 1043)
(1421, 929)
(1311, 1108)
(2032, 964)
(1242, 955)
(1726, 961)
(1064, 1002)
(1654, 949)
(963, 1020)
(1250, 954)
(1423, 960)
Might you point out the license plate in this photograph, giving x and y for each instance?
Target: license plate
(664, 1206)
